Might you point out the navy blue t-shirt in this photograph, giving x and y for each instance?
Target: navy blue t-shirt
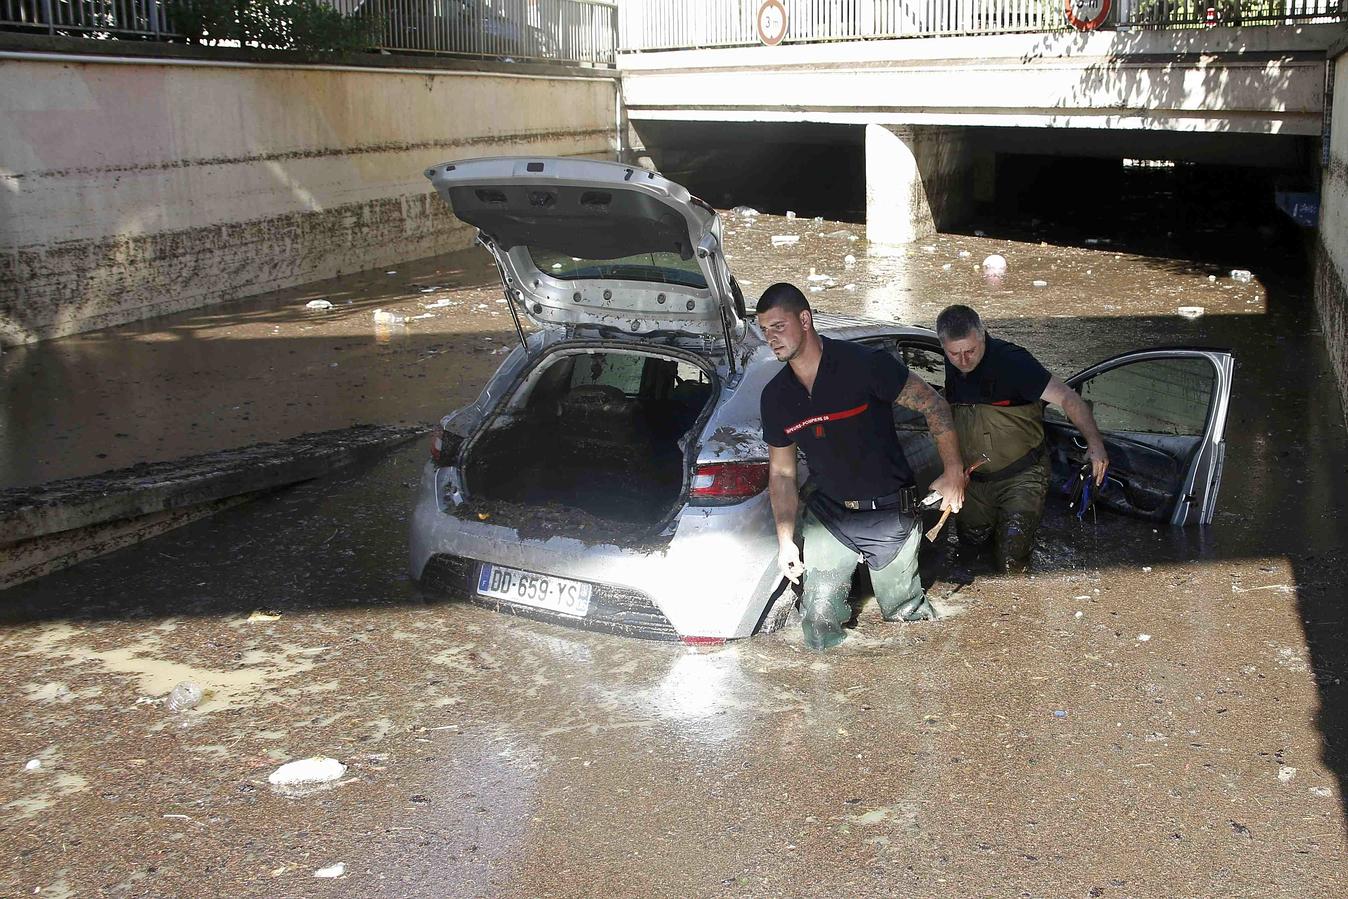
(1008, 375)
(846, 428)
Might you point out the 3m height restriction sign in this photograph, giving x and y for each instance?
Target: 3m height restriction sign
(1087, 15)
(771, 22)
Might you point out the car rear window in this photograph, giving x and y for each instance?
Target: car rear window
(661, 268)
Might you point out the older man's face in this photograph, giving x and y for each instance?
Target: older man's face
(966, 352)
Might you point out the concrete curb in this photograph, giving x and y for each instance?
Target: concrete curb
(52, 526)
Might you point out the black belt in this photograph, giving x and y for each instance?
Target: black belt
(1024, 463)
(904, 500)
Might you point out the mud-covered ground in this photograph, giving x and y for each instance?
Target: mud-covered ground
(1151, 713)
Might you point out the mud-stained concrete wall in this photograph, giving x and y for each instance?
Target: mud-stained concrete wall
(1331, 256)
(135, 187)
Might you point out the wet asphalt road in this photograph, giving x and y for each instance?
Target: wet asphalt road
(1152, 713)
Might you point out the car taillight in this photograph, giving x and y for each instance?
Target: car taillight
(444, 445)
(729, 480)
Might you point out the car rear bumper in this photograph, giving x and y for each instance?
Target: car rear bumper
(612, 609)
(712, 578)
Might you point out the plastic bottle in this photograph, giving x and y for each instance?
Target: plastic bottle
(184, 696)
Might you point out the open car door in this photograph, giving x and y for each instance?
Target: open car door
(1162, 414)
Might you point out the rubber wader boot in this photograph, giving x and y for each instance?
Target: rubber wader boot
(898, 586)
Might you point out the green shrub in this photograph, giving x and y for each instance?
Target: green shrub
(309, 25)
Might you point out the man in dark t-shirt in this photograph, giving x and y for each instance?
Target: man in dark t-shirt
(997, 392)
(834, 399)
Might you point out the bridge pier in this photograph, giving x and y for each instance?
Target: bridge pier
(919, 180)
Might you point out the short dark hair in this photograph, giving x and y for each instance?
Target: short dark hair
(784, 296)
(958, 322)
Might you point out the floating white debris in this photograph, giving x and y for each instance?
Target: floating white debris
(1241, 275)
(1286, 773)
(1143, 638)
(819, 219)
(815, 276)
(745, 211)
(318, 304)
(1077, 615)
(1212, 279)
(260, 615)
(184, 696)
(785, 240)
(994, 264)
(790, 214)
(337, 870)
(1322, 792)
(33, 765)
(316, 770)
(815, 288)
(391, 273)
(1146, 568)
(929, 249)
(980, 234)
(440, 304)
(388, 318)
(946, 267)
(849, 259)
(1038, 283)
(849, 287)
(1190, 311)
(964, 254)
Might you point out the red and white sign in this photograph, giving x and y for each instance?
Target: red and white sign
(1087, 15)
(771, 21)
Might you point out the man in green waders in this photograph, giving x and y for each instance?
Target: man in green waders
(835, 400)
(996, 392)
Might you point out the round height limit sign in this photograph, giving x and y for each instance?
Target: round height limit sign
(771, 22)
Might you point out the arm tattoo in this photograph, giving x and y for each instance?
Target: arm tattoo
(918, 395)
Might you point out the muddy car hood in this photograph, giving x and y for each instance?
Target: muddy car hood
(566, 234)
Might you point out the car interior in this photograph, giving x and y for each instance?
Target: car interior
(595, 431)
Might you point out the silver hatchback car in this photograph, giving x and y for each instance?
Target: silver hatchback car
(612, 473)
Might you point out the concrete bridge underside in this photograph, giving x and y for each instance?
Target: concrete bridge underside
(933, 113)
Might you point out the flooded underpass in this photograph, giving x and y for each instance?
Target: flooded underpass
(1151, 712)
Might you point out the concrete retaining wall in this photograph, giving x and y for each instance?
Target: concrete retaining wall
(1331, 257)
(134, 187)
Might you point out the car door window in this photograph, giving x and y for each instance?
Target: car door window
(1153, 412)
(1152, 396)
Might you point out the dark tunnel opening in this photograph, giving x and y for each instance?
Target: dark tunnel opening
(1211, 199)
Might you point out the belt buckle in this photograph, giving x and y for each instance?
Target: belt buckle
(852, 503)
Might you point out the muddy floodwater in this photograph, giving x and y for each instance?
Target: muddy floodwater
(1149, 713)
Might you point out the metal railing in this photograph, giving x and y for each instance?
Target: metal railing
(685, 24)
(574, 31)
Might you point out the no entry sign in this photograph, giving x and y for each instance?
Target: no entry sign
(1087, 15)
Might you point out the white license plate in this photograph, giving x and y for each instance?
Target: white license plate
(538, 590)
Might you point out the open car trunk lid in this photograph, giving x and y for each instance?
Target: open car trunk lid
(598, 243)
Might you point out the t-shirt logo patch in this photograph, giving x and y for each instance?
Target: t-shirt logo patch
(819, 420)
